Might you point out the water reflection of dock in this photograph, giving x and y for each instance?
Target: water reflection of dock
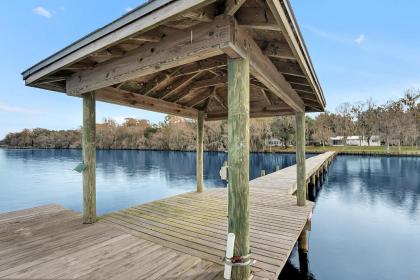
(179, 237)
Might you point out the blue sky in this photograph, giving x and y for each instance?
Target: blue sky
(360, 49)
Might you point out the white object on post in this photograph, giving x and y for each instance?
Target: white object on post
(229, 254)
(224, 173)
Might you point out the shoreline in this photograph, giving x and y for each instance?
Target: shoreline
(276, 151)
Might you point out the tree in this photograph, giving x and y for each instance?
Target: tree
(323, 128)
(283, 128)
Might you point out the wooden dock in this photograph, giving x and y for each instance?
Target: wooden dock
(181, 237)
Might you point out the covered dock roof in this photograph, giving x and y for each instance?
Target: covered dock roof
(170, 56)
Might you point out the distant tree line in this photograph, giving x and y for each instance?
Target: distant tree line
(396, 123)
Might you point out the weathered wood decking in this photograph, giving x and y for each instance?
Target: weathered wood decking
(181, 237)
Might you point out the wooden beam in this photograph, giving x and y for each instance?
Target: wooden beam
(122, 97)
(238, 158)
(289, 68)
(126, 27)
(200, 144)
(256, 18)
(189, 69)
(174, 87)
(296, 80)
(222, 115)
(279, 50)
(231, 6)
(150, 36)
(263, 69)
(199, 98)
(89, 158)
(216, 81)
(304, 88)
(291, 33)
(300, 159)
(201, 42)
(219, 99)
(264, 94)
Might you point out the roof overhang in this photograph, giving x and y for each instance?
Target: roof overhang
(269, 26)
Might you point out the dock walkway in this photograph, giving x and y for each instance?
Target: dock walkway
(181, 237)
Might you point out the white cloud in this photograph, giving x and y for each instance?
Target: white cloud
(128, 9)
(360, 39)
(14, 109)
(42, 12)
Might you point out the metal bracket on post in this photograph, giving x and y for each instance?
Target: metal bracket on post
(239, 260)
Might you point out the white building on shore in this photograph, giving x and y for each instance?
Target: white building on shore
(374, 141)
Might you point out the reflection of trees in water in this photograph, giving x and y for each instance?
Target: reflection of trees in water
(395, 180)
(168, 164)
(43, 154)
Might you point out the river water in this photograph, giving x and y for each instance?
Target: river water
(366, 224)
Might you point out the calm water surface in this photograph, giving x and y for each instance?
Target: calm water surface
(124, 177)
(366, 224)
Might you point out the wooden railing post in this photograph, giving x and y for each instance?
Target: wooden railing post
(300, 159)
(200, 128)
(89, 158)
(238, 135)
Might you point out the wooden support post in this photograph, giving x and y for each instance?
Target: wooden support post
(300, 159)
(262, 172)
(303, 246)
(238, 136)
(200, 128)
(89, 158)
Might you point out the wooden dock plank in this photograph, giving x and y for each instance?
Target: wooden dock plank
(181, 237)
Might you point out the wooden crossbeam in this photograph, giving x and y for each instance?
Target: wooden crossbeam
(200, 98)
(256, 18)
(263, 69)
(126, 98)
(222, 115)
(296, 80)
(178, 85)
(300, 87)
(279, 50)
(150, 36)
(200, 42)
(231, 6)
(264, 94)
(289, 68)
(216, 81)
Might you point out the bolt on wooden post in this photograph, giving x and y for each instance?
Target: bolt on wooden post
(200, 128)
(89, 158)
(238, 135)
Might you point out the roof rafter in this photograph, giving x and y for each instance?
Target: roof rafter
(209, 40)
(263, 69)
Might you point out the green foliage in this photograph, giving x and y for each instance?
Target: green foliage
(396, 122)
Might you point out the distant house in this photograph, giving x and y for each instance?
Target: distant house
(355, 141)
(274, 142)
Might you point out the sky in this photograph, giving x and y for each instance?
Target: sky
(360, 49)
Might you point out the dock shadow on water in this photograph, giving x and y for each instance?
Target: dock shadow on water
(366, 222)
